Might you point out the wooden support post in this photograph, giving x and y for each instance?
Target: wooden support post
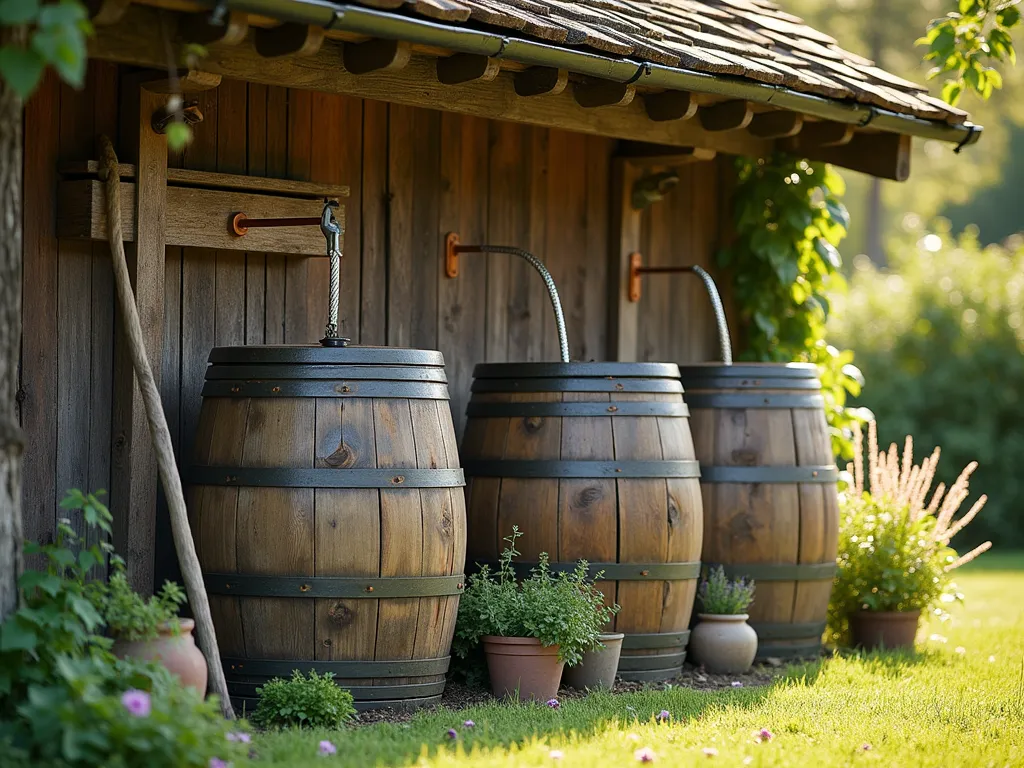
(538, 81)
(727, 116)
(198, 28)
(885, 155)
(288, 39)
(603, 93)
(133, 460)
(670, 105)
(375, 55)
(466, 68)
(625, 240)
(776, 125)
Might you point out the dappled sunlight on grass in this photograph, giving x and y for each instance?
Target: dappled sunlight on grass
(954, 703)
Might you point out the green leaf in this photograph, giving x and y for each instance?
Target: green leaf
(15, 12)
(178, 135)
(951, 92)
(21, 68)
(46, 582)
(64, 49)
(1009, 17)
(14, 636)
(828, 252)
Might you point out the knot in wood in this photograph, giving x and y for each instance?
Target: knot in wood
(342, 457)
(745, 457)
(533, 423)
(586, 497)
(339, 614)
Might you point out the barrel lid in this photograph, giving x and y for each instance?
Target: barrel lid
(314, 354)
(576, 370)
(694, 374)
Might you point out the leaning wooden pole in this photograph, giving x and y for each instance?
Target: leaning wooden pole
(161, 435)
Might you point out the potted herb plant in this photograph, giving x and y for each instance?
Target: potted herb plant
(722, 640)
(894, 556)
(150, 628)
(530, 630)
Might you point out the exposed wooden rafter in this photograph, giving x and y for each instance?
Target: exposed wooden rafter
(825, 134)
(288, 39)
(199, 28)
(375, 55)
(602, 93)
(467, 68)
(538, 81)
(670, 105)
(885, 155)
(776, 125)
(727, 116)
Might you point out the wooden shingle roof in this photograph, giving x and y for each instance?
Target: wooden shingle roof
(749, 39)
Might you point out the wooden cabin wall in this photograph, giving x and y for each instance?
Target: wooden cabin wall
(414, 174)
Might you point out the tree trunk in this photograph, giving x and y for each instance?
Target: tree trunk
(10, 340)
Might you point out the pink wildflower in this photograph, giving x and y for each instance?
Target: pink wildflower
(216, 762)
(469, 724)
(663, 716)
(765, 735)
(453, 734)
(136, 702)
(554, 703)
(241, 738)
(327, 748)
(737, 684)
(645, 755)
(710, 752)
(866, 747)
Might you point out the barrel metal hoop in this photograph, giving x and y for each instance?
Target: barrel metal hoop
(651, 675)
(581, 469)
(315, 354)
(752, 383)
(614, 571)
(651, 662)
(359, 692)
(749, 401)
(669, 386)
(341, 669)
(782, 631)
(780, 571)
(802, 650)
(638, 641)
(330, 372)
(408, 390)
(244, 585)
(613, 370)
(527, 410)
(281, 477)
(823, 473)
(790, 371)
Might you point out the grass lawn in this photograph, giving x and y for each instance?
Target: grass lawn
(959, 702)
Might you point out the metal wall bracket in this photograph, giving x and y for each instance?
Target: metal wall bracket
(451, 254)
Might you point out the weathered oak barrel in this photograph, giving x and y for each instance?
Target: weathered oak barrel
(594, 461)
(768, 479)
(329, 516)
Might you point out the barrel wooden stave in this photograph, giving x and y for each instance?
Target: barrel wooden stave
(340, 532)
(598, 519)
(758, 524)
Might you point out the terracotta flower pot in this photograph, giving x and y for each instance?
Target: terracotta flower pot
(598, 668)
(884, 629)
(177, 652)
(724, 644)
(522, 667)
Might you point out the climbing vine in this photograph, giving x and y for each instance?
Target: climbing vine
(784, 262)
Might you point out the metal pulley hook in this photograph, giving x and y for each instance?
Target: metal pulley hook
(332, 231)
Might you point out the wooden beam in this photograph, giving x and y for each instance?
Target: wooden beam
(776, 125)
(377, 55)
(539, 81)
(137, 42)
(289, 39)
(824, 134)
(467, 68)
(199, 28)
(670, 105)
(653, 155)
(726, 116)
(133, 461)
(885, 155)
(187, 81)
(602, 93)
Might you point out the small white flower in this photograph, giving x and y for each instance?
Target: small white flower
(737, 684)
(960, 649)
(710, 752)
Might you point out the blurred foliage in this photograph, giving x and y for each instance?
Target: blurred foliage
(940, 338)
(784, 265)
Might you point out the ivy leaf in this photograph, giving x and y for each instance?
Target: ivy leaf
(21, 68)
(951, 92)
(15, 12)
(838, 213)
(16, 637)
(828, 252)
(64, 49)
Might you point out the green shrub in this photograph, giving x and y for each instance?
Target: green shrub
(314, 702)
(65, 701)
(128, 615)
(723, 596)
(563, 609)
(940, 339)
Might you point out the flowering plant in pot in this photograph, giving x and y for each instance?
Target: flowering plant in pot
(722, 641)
(895, 560)
(530, 629)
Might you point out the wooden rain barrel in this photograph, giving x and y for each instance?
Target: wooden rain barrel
(329, 517)
(593, 461)
(771, 510)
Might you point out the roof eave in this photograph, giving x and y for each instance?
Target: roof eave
(383, 24)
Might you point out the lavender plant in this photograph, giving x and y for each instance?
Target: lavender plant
(721, 596)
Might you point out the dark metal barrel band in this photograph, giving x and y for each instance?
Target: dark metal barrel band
(636, 641)
(781, 571)
(657, 386)
(315, 354)
(359, 692)
(615, 571)
(652, 675)
(782, 631)
(823, 473)
(651, 662)
(554, 468)
(690, 373)
(802, 650)
(815, 402)
(330, 587)
(614, 370)
(527, 410)
(278, 477)
(328, 372)
(341, 669)
(752, 383)
(407, 390)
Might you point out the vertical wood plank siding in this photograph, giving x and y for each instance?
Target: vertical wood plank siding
(414, 175)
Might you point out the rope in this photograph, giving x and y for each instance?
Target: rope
(160, 434)
(716, 304)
